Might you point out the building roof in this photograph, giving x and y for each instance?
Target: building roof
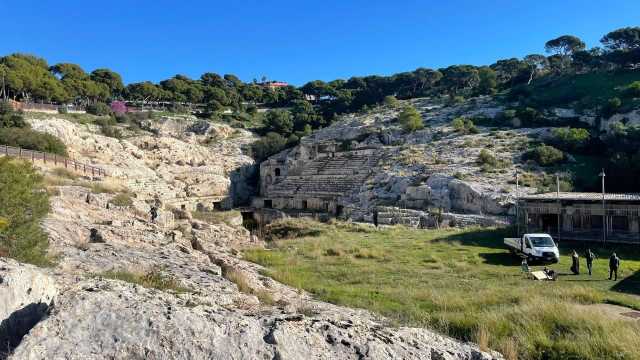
(584, 196)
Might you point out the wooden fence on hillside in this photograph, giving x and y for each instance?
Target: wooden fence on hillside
(54, 159)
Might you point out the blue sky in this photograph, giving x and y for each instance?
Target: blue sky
(297, 41)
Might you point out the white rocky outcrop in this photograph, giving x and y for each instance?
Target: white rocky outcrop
(170, 163)
(26, 295)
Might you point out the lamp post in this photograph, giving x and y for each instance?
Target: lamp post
(604, 215)
(517, 205)
(559, 204)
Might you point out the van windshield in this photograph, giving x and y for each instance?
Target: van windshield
(541, 241)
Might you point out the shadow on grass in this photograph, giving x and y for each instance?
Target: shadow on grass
(504, 259)
(489, 238)
(629, 285)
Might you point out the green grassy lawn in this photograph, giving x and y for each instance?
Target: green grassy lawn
(463, 283)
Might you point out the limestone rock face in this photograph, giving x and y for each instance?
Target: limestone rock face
(630, 118)
(98, 318)
(26, 294)
(172, 164)
(203, 315)
(434, 169)
(176, 288)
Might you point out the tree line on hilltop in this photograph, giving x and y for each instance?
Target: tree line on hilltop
(296, 111)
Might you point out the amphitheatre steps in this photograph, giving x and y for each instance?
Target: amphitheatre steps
(327, 176)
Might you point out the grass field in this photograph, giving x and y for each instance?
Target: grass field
(465, 284)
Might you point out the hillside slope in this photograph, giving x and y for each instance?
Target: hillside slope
(173, 288)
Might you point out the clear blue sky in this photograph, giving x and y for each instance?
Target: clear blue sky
(297, 40)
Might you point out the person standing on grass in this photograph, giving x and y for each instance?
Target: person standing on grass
(614, 264)
(590, 257)
(575, 263)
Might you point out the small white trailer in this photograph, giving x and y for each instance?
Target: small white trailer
(535, 247)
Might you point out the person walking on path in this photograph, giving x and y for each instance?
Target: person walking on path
(154, 214)
(575, 263)
(590, 257)
(614, 264)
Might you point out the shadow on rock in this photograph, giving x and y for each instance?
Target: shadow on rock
(16, 326)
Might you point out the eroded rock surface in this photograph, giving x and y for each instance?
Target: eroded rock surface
(363, 164)
(217, 307)
(26, 295)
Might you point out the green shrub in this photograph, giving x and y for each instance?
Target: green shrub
(456, 100)
(410, 119)
(98, 109)
(154, 279)
(570, 139)
(10, 118)
(391, 101)
(63, 110)
(293, 228)
(611, 107)
(545, 155)
(528, 116)
(632, 90)
(23, 204)
(111, 131)
(122, 199)
(33, 140)
(487, 158)
(268, 145)
(464, 125)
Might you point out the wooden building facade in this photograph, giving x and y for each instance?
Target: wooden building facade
(611, 218)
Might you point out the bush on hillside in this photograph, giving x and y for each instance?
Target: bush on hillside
(611, 107)
(9, 117)
(98, 109)
(23, 204)
(487, 158)
(410, 119)
(27, 138)
(391, 101)
(464, 125)
(278, 121)
(268, 145)
(528, 116)
(290, 229)
(632, 90)
(545, 155)
(570, 139)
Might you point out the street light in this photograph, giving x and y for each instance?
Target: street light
(517, 205)
(604, 215)
(559, 203)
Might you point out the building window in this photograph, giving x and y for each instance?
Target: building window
(217, 205)
(620, 223)
(277, 171)
(304, 204)
(268, 204)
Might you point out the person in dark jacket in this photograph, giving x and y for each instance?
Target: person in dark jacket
(154, 214)
(575, 263)
(590, 257)
(614, 264)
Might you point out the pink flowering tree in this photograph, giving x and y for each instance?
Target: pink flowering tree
(118, 107)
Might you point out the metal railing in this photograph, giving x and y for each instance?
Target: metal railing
(55, 159)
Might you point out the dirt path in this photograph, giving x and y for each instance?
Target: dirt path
(615, 311)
